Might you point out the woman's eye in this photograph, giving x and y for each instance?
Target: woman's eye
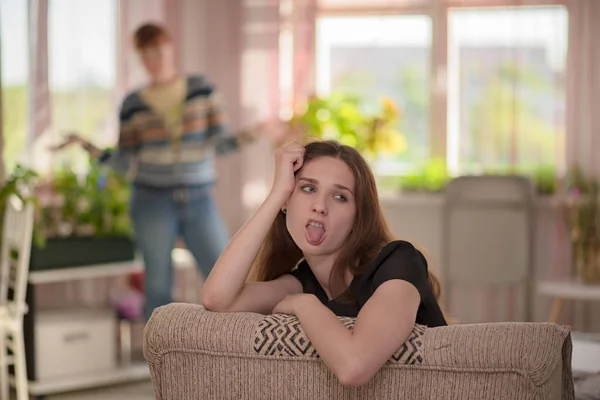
(341, 197)
(308, 188)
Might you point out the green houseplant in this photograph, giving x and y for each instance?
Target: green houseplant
(95, 204)
(430, 178)
(79, 220)
(545, 179)
(371, 130)
(583, 218)
(85, 221)
(21, 182)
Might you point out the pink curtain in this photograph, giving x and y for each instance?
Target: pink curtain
(133, 13)
(583, 85)
(40, 115)
(173, 12)
(582, 130)
(304, 24)
(260, 97)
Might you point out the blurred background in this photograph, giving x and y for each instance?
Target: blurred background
(479, 118)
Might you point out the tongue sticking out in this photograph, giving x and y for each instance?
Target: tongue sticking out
(315, 234)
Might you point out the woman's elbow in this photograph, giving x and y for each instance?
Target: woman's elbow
(353, 373)
(212, 303)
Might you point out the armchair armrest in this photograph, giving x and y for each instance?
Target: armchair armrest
(179, 326)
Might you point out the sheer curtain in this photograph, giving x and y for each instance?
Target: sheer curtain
(509, 64)
(33, 118)
(583, 83)
(583, 127)
(72, 64)
(14, 81)
(506, 92)
(40, 94)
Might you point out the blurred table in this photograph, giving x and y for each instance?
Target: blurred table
(562, 290)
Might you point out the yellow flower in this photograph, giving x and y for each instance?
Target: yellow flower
(392, 143)
(390, 107)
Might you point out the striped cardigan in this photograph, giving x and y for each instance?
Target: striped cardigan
(147, 152)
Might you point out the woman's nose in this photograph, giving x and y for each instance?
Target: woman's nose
(320, 207)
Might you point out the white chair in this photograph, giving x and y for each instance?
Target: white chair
(488, 248)
(14, 269)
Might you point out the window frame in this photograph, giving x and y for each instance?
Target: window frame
(438, 11)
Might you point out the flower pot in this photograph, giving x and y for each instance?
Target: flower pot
(76, 251)
(586, 259)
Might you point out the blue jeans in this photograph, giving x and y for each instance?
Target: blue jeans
(159, 217)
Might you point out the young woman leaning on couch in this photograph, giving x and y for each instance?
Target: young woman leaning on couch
(319, 248)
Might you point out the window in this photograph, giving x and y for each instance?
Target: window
(357, 4)
(15, 79)
(495, 88)
(374, 57)
(82, 73)
(506, 95)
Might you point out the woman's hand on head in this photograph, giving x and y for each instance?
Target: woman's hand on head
(288, 159)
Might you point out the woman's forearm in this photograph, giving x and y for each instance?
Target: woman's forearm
(93, 151)
(332, 340)
(228, 276)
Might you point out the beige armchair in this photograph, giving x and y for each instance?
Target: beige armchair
(197, 354)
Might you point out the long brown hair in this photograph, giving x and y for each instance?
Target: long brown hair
(279, 253)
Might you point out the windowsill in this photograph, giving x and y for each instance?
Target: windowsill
(412, 199)
(437, 199)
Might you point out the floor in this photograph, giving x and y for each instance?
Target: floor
(137, 391)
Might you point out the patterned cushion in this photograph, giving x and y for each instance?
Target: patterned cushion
(282, 335)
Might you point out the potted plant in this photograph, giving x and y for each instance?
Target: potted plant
(85, 220)
(430, 178)
(583, 218)
(79, 220)
(349, 120)
(545, 180)
(21, 182)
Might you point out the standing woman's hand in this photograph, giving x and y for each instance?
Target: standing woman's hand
(74, 138)
(277, 130)
(288, 159)
(69, 140)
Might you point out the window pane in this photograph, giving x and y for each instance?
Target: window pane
(15, 78)
(376, 57)
(506, 104)
(82, 72)
(368, 4)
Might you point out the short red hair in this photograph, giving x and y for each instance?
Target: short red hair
(150, 35)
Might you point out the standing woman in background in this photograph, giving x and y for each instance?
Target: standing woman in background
(170, 131)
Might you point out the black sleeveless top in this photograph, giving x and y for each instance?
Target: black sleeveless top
(397, 260)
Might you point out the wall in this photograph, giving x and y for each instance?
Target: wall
(418, 218)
